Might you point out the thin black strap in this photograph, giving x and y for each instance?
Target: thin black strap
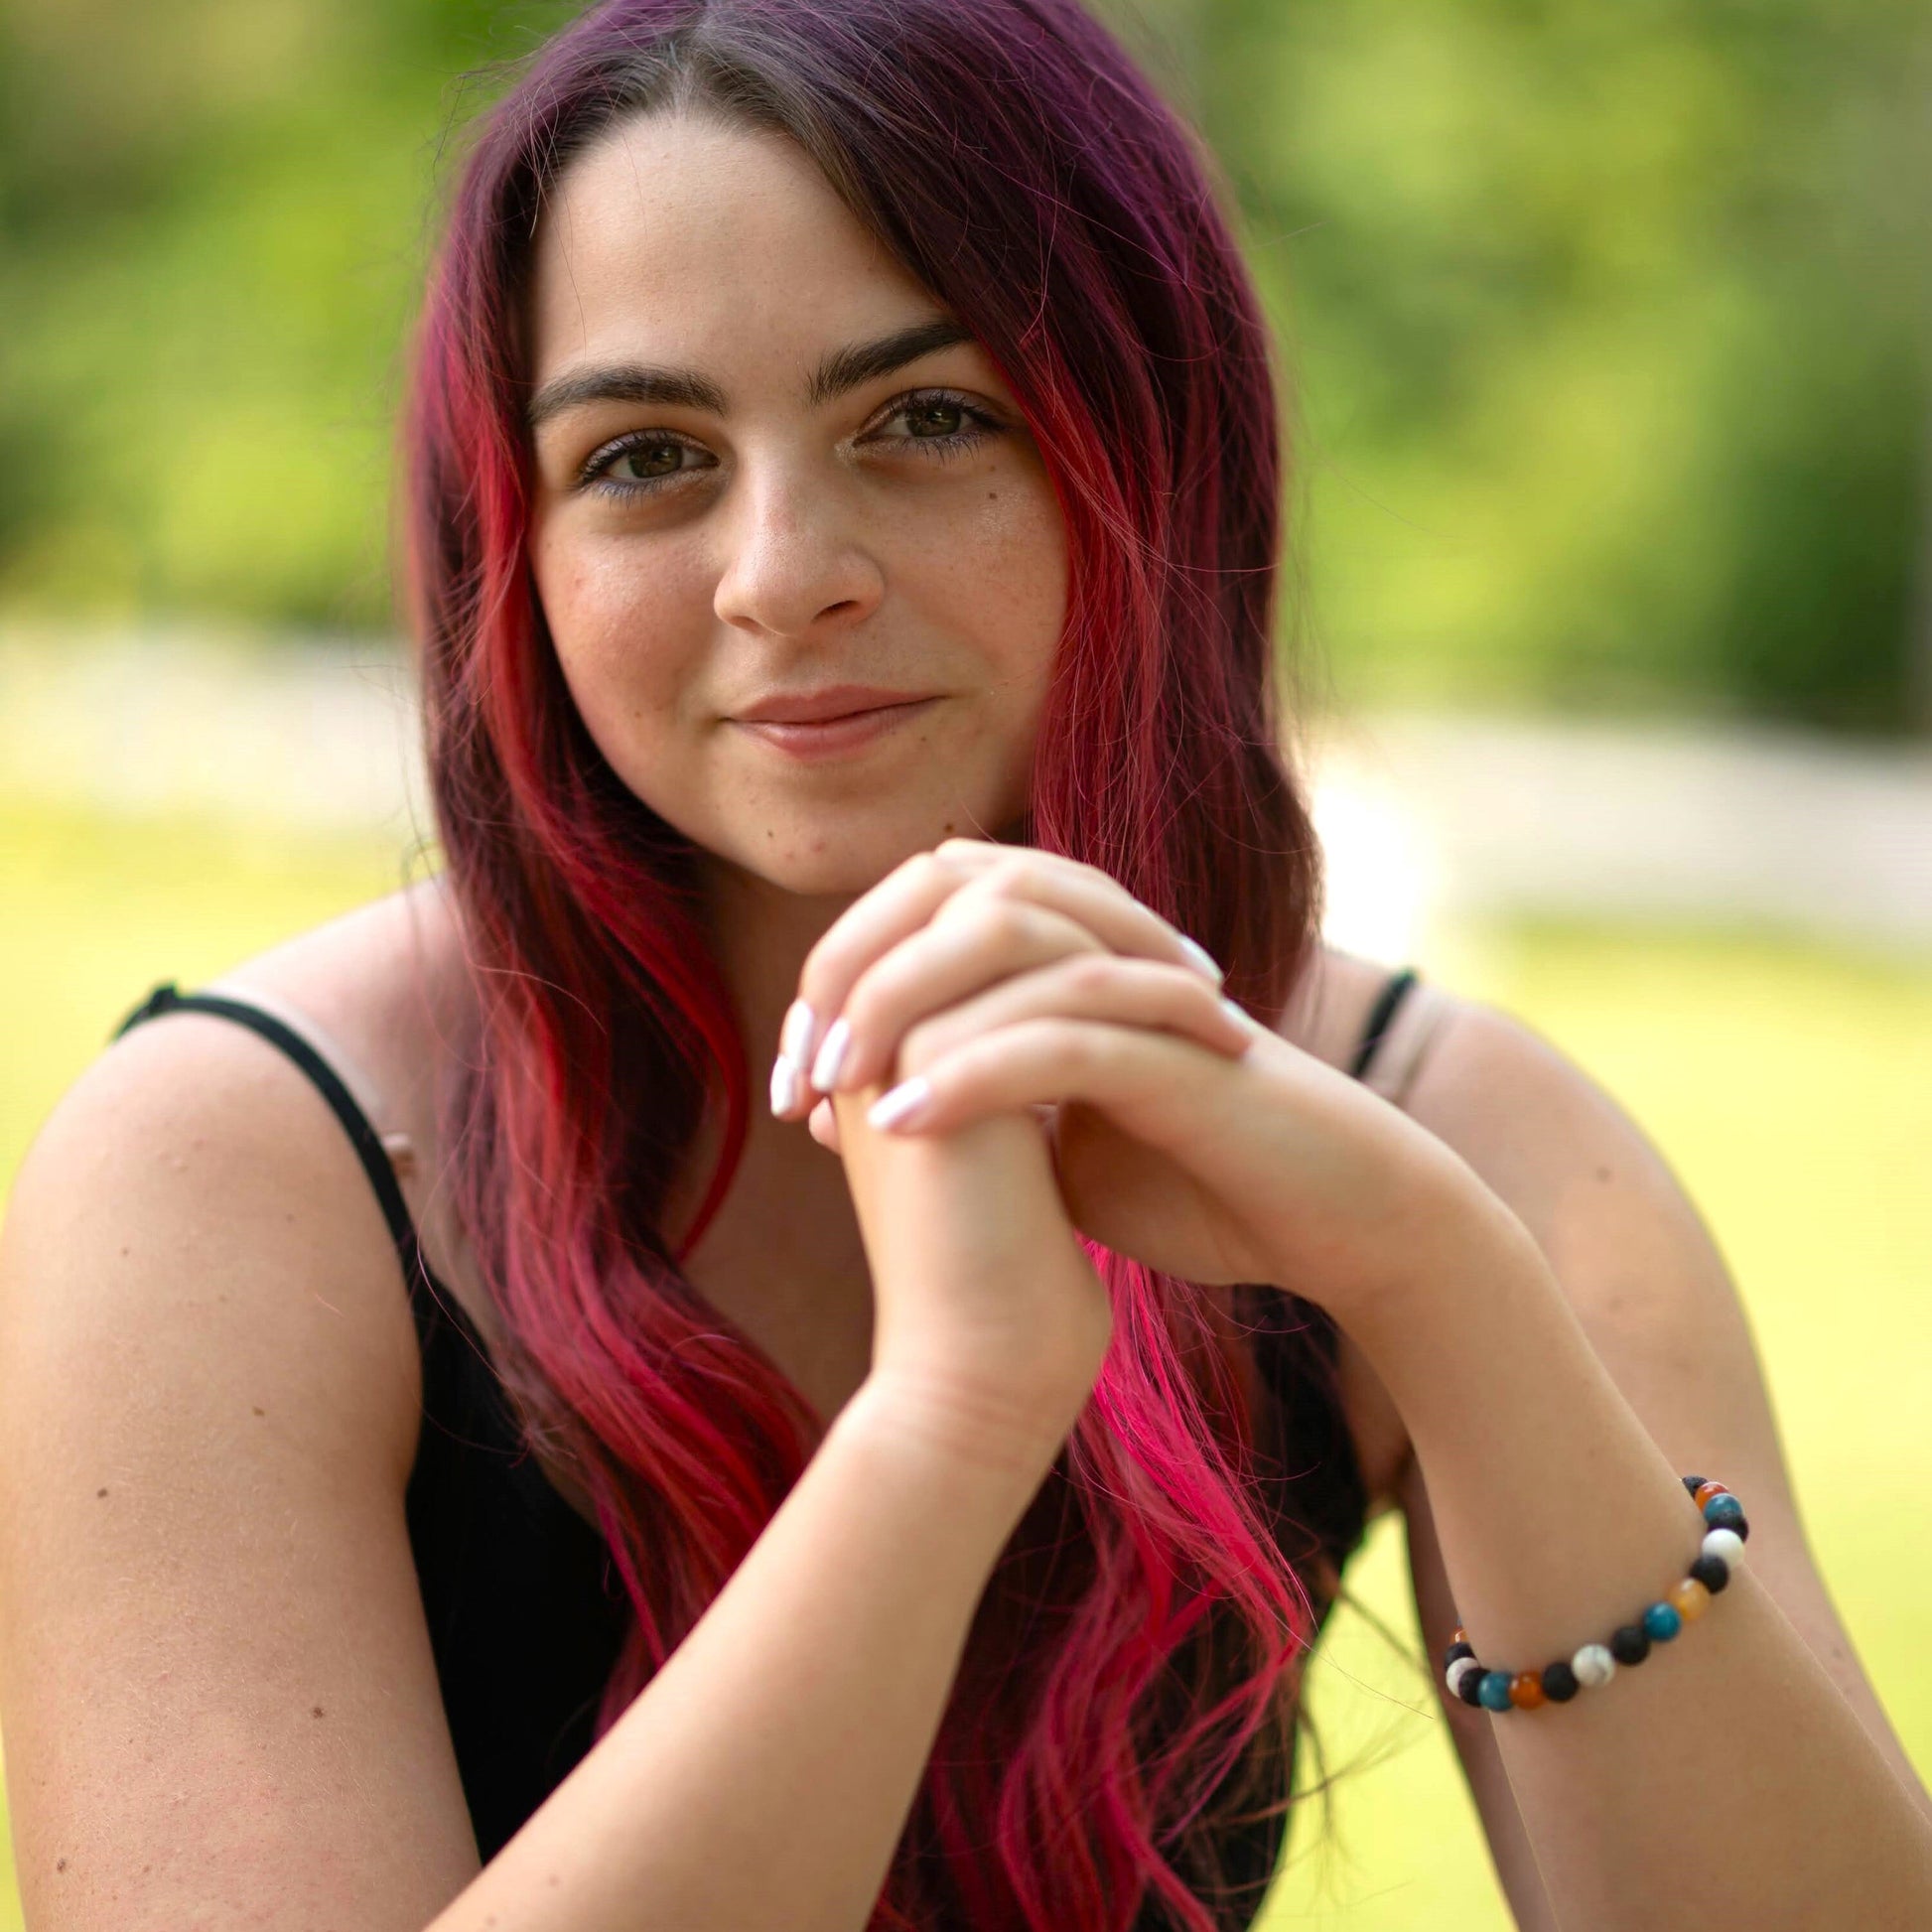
(355, 1123)
(1380, 1018)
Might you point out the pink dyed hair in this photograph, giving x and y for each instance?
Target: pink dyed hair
(1130, 1688)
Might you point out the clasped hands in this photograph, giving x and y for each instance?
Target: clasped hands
(979, 980)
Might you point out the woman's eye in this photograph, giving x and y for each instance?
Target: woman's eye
(941, 423)
(640, 465)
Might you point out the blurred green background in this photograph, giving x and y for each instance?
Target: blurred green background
(1611, 324)
(1611, 337)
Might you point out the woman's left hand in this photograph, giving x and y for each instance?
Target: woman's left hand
(989, 978)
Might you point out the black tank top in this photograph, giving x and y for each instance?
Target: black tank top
(525, 1613)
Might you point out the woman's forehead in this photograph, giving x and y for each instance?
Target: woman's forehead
(679, 238)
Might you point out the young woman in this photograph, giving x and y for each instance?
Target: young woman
(844, 493)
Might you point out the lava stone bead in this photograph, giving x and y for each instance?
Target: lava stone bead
(1630, 1643)
(1560, 1681)
(1712, 1571)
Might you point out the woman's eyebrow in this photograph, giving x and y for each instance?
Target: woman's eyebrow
(843, 369)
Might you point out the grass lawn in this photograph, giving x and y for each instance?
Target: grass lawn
(1789, 1085)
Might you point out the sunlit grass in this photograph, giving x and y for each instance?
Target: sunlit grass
(1789, 1085)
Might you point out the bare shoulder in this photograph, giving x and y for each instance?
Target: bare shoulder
(209, 1391)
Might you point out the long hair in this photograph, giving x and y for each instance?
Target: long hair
(1128, 1692)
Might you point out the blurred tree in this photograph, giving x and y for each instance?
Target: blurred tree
(211, 224)
(1609, 332)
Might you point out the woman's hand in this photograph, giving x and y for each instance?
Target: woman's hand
(991, 981)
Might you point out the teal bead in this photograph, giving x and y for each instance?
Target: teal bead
(1493, 1692)
(1661, 1623)
(1724, 1512)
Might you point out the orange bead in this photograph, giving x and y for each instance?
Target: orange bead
(1706, 1490)
(1461, 1635)
(1526, 1690)
(1690, 1600)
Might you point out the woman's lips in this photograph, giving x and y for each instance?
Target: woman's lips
(831, 736)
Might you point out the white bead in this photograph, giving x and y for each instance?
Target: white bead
(1593, 1666)
(1726, 1544)
(1457, 1672)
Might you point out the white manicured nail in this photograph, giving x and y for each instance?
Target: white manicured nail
(1239, 1015)
(795, 1035)
(784, 1085)
(1202, 958)
(831, 1056)
(897, 1106)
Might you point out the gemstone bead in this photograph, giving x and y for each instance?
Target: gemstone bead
(1593, 1666)
(1526, 1690)
(1690, 1600)
(1724, 1512)
(1712, 1571)
(1725, 1544)
(1460, 1636)
(1457, 1671)
(1661, 1623)
(1559, 1681)
(1695, 1483)
(1455, 1650)
(1630, 1643)
(1471, 1689)
(1702, 1493)
(1493, 1690)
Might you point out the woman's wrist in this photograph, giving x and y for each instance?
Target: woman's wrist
(964, 1441)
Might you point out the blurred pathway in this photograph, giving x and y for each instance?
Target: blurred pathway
(1425, 817)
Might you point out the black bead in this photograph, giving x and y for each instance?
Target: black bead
(1472, 1679)
(1457, 1650)
(1630, 1643)
(1714, 1573)
(1559, 1683)
(1741, 1529)
(1692, 1485)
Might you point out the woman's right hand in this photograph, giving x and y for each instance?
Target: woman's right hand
(990, 1323)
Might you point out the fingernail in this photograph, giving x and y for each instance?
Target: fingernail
(784, 1085)
(795, 1035)
(901, 1106)
(1240, 1016)
(831, 1056)
(1202, 958)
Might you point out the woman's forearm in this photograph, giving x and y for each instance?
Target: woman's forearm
(764, 1776)
(1726, 1782)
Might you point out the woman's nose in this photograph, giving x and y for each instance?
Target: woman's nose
(794, 565)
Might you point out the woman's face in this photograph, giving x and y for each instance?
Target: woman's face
(767, 469)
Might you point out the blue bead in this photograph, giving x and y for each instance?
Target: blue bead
(1493, 1690)
(1661, 1623)
(1724, 1512)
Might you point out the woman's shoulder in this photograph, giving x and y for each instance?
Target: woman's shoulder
(378, 994)
(187, 1184)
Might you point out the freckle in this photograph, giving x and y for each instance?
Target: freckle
(59, 1864)
(259, 1412)
(1603, 1174)
(317, 1712)
(101, 1492)
(123, 1254)
(554, 1880)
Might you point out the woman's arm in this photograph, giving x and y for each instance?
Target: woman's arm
(1728, 1780)
(219, 1698)
(764, 1775)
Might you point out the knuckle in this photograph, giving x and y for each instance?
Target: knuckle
(1091, 973)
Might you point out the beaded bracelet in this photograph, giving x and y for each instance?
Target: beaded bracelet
(1595, 1664)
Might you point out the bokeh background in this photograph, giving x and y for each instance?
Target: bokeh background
(1611, 335)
